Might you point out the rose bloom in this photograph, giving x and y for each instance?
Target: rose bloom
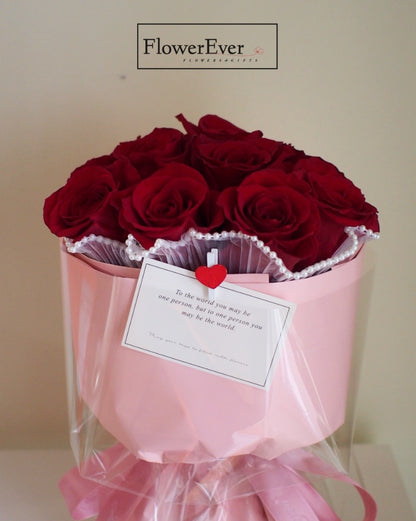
(339, 201)
(167, 204)
(123, 172)
(150, 152)
(277, 208)
(87, 202)
(225, 154)
(287, 158)
(217, 128)
(227, 163)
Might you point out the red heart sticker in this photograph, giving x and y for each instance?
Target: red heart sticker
(211, 277)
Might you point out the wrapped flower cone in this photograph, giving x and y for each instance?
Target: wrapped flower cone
(196, 394)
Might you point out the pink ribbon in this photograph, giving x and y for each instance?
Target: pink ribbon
(121, 487)
(297, 500)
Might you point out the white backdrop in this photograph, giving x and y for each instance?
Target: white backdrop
(70, 90)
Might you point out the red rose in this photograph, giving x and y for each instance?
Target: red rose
(216, 128)
(227, 163)
(150, 152)
(287, 157)
(86, 204)
(164, 205)
(277, 208)
(124, 173)
(340, 202)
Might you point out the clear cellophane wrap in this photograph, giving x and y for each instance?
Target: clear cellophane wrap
(155, 440)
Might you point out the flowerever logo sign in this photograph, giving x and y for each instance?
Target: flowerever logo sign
(207, 46)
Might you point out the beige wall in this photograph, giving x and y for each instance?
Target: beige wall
(69, 90)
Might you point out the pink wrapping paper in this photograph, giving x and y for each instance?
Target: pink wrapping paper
(166, 412)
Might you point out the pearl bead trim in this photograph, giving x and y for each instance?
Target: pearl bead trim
(75, 247)
(356, 235)
(135, 251)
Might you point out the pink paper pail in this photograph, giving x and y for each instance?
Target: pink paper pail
(166, 412)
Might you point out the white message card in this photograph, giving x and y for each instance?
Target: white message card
(237, 334)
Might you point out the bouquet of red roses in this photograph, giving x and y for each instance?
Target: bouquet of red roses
(212, 435)
(215, 177)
